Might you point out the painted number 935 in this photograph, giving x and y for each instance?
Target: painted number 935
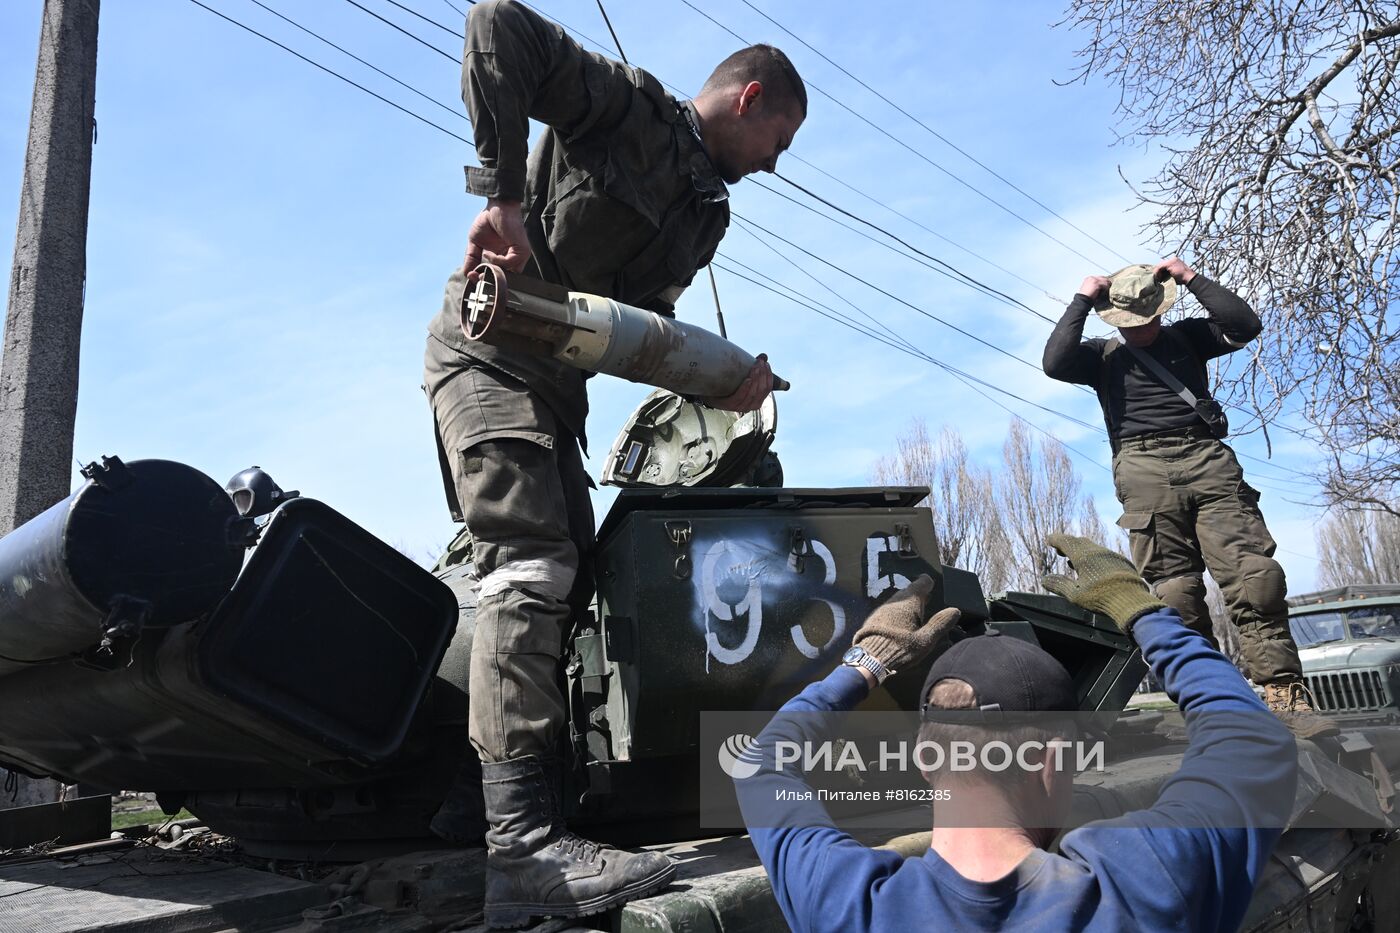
(734, 575)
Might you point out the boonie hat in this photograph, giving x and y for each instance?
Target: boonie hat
(1006, 674)
(1135, 297)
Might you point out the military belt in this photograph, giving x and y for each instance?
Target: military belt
(1141, 441)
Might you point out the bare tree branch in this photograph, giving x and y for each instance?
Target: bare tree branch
(1281, 125)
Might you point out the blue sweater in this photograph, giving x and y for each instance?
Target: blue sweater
(1151, 870)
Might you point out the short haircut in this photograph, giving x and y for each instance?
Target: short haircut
(768, 66)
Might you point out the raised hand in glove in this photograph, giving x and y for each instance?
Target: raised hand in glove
(1106, 582)
(896, 633)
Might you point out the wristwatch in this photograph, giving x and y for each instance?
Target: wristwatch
(859, 657)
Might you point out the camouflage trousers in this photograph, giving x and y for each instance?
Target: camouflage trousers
(518, 480)
(1187, 509)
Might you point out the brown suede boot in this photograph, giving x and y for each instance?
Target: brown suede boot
(1289, 701)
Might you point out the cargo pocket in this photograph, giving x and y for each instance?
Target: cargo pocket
(472, 456)
(510, 489)
(1139, 522)
(513, 502)
(1142, 543)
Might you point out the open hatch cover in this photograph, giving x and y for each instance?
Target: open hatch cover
(673, 441)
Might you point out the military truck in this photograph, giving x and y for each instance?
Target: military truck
(1349, 642)
(253, 656)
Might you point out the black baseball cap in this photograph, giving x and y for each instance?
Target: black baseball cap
(1006, 674)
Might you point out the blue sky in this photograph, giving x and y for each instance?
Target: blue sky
(267, 243)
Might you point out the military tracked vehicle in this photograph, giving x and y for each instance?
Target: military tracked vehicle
(255, 657)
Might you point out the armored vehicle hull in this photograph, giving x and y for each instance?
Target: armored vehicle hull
(316, 707)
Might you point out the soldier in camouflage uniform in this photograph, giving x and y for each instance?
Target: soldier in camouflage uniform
(1186, 505)
(625, 196)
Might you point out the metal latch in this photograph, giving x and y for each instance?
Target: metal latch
(906, 540)
(798, 549)
(680, 534)
(111, 474)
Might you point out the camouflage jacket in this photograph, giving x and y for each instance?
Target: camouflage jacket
(620, 198)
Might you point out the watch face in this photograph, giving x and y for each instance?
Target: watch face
(853, 654)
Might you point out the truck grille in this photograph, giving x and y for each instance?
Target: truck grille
(1348, 690)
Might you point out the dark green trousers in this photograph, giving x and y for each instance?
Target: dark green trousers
(1187, 509)
(518, 479)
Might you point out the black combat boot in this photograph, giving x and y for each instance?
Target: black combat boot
(536, 867)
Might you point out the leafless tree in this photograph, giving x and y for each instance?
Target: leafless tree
(1280, 120)
(1358, 547)
(1091, 525)
(1038, 493)
(995, 524)
(969, 529)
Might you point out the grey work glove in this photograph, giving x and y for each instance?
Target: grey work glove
(1106, 582)
(896, 633)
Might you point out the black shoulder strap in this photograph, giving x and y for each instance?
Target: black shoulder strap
(1163, 375)
(1176, 334)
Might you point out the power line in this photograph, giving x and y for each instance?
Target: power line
(432, 100)
(853, 216)
(426, 19)
(951, 270)
(963, 377)
(901, 301)
(898, 213)
(393, 25)
(895, 139)
(904, 342)
(582, 35)
(616, 41)
(332, 72)
(940, 137)
(957, 374)
(870, 285)
(792, 262)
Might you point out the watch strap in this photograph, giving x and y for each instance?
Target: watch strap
(872, 664)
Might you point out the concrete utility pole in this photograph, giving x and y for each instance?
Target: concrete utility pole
(44, 316)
